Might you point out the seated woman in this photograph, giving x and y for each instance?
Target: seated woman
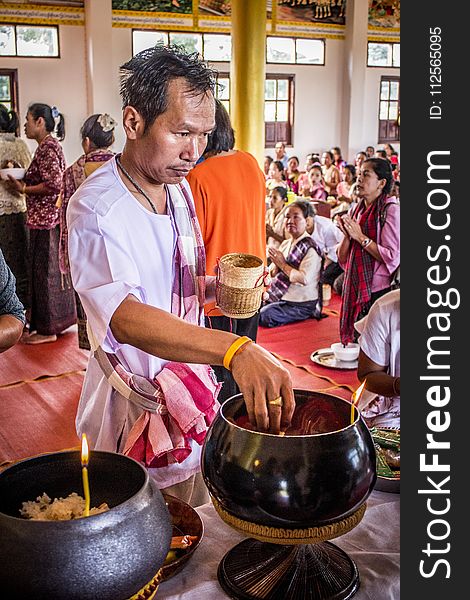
(275, 217)
(302, 182)
(379, 362)
(331, 174)
(293, 174)
(267, 162)
(338, 160)
(295, 269)
(315, 189)
(344, 186)
(276, 176)
(347, 192)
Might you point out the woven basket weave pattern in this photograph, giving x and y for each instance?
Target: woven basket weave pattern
(239, 288)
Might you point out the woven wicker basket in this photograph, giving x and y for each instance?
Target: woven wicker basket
(239, 287)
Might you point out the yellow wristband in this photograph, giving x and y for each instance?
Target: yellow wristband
(233, 349)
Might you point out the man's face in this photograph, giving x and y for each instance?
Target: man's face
(172, 145)
(279, 149)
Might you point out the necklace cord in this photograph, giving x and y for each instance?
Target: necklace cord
(135, 184)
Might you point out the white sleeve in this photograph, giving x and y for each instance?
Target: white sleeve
(375, 339)
(103, 274)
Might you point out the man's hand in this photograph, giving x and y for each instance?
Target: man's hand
(262, 379)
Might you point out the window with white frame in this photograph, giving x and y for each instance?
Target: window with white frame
(278, 105)
(383, 54)
(214, 47)
(217, 47)
(29, 40)
(389, 110)
(285, 50)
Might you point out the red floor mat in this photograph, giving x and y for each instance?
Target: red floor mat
(39, 417)
(26, 362)
(295, 343)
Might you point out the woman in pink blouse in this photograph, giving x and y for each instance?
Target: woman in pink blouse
(52, 303)
(370, 250)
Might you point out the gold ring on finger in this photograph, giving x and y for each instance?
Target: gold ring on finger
(276, 402)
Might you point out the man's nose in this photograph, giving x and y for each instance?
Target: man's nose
(193, 149)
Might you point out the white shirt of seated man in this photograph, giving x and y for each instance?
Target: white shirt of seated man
(380, 341)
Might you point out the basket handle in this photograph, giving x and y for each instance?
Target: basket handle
(262, 277)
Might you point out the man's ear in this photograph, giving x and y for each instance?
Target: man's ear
(133, 123)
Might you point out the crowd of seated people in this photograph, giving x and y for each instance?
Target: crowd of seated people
(328, 180)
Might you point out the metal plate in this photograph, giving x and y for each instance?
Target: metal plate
(388, 484)
(326, 358)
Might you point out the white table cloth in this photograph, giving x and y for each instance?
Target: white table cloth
(374, 545)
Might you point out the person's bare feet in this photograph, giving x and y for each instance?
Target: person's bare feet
(37, 338)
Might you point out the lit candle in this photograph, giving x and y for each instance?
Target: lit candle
(355, 399)
(86, 487)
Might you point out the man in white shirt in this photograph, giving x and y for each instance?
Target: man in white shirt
(280, 150)
(138, 264)
(379, 362)
(327, 236)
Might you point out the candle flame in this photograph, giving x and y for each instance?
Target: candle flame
(358, 393)
(84, 450)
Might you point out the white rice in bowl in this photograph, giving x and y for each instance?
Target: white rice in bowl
(59, 509)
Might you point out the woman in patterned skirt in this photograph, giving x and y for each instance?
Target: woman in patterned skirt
(52, 302)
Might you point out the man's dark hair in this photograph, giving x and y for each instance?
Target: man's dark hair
(383, 170)
(222, 138)
(146, 76)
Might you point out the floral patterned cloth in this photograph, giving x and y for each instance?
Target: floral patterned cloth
(47, 167)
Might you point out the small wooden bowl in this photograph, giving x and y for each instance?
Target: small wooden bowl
(185, 521)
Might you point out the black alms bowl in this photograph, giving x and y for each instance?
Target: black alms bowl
(109, 556)
(305, 480)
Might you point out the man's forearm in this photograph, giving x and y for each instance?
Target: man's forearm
(162, 334)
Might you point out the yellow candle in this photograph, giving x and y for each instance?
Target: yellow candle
(86, 487)
(355, 399)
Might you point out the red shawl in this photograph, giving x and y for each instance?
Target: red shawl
(359, 271)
